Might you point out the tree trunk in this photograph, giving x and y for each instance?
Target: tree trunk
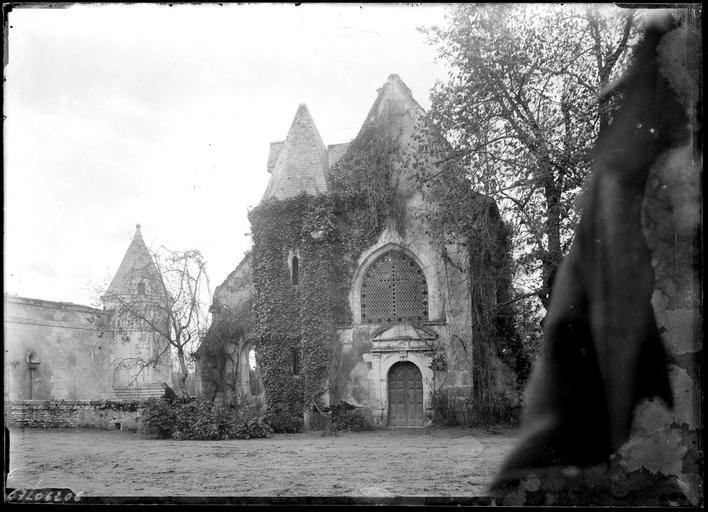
(185, 372)
(552, 258)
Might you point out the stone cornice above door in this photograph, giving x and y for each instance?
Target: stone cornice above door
(403, 337)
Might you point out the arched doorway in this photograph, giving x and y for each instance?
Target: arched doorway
(405, 395)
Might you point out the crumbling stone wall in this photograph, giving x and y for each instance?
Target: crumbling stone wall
(69, 414)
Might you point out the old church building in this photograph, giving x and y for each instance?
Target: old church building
(65, 351)
(354, 290)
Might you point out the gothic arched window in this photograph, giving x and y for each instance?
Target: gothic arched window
(394, 290)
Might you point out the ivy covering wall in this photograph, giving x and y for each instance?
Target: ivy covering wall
(328, 233)
(290, 316)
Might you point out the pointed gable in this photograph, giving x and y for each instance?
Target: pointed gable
(393, 102)
(302, 161)
(137, 267)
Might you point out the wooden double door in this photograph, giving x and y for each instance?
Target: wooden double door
(405, 395)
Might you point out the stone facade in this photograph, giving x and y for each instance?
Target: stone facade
(64, 351)
(73, 351)
(367, 350)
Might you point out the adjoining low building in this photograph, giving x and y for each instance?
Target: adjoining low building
(65, 351)
(356, 291)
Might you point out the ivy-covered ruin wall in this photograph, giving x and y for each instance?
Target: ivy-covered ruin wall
(372, 193)
(295, 316)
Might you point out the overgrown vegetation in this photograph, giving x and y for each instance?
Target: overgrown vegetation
(200, 420)
(118, 405)
(351, 421)
(295, 323)
(450, 410)
(219, 362)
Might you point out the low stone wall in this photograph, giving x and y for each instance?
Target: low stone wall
(73, 413)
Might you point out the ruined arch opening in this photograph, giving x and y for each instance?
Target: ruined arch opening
(251, 381)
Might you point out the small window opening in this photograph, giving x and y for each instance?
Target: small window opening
(253, 374)
(141, 288)
(296, 360)
(296, 270)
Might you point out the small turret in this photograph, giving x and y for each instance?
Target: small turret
(139, 306)
(301, 161)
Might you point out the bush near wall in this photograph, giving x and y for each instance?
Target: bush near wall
(351, 421)
(450, 411)
(200, 420)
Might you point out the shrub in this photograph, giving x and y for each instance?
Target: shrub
(444, 408)
(350, 420)
(253, 428)
(200, 420)
(483, 413)
(284, 423)
(158, 419)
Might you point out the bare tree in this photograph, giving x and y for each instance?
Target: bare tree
(169, 305)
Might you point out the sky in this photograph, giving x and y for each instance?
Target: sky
(125, 114)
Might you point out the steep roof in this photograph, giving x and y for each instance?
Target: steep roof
(302, 161)
(393, 101)
(137, 265)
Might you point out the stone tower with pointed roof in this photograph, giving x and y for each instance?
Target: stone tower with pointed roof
(136, 290)
(405, 300)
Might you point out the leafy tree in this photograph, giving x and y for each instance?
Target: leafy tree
(521, 112)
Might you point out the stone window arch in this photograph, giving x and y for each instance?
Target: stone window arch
(294, 264)
(394, 290)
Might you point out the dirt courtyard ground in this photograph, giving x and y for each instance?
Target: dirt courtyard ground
(452, 462)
